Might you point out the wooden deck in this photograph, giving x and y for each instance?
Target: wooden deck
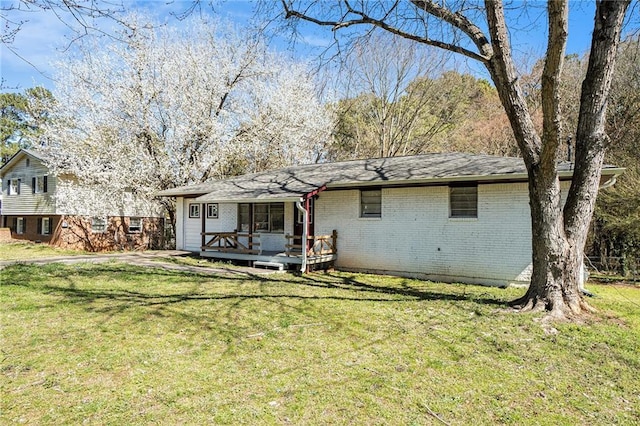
(321, 249)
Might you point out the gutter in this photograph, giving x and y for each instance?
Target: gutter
(305, 227)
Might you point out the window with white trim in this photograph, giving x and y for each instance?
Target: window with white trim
(194, 210)
(135, 225)
(463, 201)
(212, 211)
(98, 224)
(39, 184)
(265, 217)
(371, 203)
(45, 226)
(20, 228)
(14, 186)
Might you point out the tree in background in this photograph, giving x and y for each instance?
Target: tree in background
(175, 107)
(390, 104)
(22, 116)
(480, 32)
(616, 230)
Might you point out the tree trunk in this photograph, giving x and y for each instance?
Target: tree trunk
(559, 235)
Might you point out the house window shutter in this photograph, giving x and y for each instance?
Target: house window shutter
(44, 189)
(19, 185)
(33, 185)
(40, 226)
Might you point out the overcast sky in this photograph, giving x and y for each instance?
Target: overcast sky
(43, 36)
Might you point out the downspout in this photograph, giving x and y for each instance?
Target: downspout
(305, 230)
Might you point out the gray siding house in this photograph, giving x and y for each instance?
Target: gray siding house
(32, 212)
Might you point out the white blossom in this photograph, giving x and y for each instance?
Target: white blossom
(174, 107)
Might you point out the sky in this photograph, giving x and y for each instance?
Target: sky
(43, 36)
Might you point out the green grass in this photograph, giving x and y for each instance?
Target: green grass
(118, 344)
(29, 250)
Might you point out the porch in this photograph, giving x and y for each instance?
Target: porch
(320, 250)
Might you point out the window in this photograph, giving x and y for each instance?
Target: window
(14, 186)
(265, 217)
(98, 224)
(261, 217)
(39, 184)
(463, 201)
(135, 225)
(194, 210)
(212, 211)
(244, 217)
(44, 226)
(276, 213)
(371, 203)
(20, 228)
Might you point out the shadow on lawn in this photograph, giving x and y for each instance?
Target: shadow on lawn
(353, 289)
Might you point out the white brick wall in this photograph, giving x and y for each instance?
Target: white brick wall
(415, 235)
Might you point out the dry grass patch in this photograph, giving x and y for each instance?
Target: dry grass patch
(119, 344)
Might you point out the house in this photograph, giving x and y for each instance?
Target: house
(32, 210)
(449, 217)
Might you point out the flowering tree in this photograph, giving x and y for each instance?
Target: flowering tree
(174, 107)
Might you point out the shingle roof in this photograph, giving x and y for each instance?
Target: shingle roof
(293, 182)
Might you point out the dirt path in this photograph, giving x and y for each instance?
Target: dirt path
(160, 259)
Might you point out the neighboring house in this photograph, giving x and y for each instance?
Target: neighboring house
(449, 217)
(32, 210)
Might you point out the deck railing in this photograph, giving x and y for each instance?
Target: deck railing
(247, 243)
(230, 242)
(318, 245)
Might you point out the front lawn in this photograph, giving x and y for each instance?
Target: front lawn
(28, 251)
(120, 344)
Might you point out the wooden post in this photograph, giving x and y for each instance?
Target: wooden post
(334, 235)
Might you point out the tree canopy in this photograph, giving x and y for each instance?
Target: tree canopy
(175, 107)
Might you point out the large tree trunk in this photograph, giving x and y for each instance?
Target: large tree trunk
(559, 235)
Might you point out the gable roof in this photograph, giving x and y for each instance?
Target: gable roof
(22, 152)
(291, 183)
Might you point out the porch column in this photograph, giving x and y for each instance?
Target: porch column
(203, 219)
(305, 233)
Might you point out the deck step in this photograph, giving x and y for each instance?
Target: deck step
(277, 265)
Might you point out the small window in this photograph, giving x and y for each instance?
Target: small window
(14, 186)
(98, 224)
(135, 225)
(194, 210)
(371, 203)
(28, 162)
(45, 226)
(39, 184)
(20, 228)
(463, 201)
(212, 211)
